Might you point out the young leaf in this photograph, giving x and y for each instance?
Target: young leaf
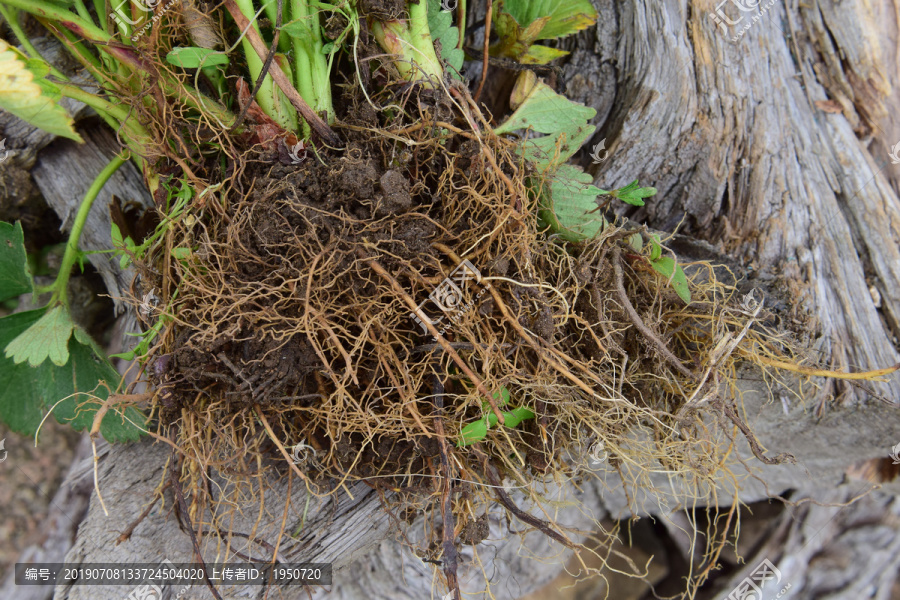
(473, 432)
(521, 23)
(14, 277)
(636, 242)
(477, 431)
(541, 55)
(48, 338)
(440, 23)
(655, 248)
(633, 194)
(22, 95)
(666, 267)
(192, 58)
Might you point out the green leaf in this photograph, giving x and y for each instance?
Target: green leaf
(298, 28)
(666, 267)
(565, 16)
(567, 204)
(48, 338)
(477, 431)
(191, 57)
(473, 432)
(633, 194)
(655, 248)
(540, 109)
(26, 391)
(20, 402)
(514, 39)
(22, 95)
(81, 377)
(440, 23)
(14, 277)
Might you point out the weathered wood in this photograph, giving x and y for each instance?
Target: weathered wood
(730, 135)
(822, 549)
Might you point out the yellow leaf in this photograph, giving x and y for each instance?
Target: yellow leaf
(22, 96)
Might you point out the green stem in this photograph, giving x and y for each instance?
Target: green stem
(271, 8)
(267, 99)
(59, 286)
(125, 27)
(12, 19)
(46, 10)
(83, 11)
(411, 42)
(102, 9)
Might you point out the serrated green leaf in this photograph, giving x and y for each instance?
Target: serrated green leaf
(48, 338)
(22, 95)
(666, 267)
(81, 377)
(568, 201)
(440, 23)
(565, 16)
(20, 402)
(14, 277)
(191, 57)
(542, 110)
(25, 392)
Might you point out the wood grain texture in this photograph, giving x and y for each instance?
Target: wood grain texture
(731, 136)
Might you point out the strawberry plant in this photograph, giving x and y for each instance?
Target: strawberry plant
(427, 289)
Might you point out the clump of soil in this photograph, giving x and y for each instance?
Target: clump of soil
(363, 307)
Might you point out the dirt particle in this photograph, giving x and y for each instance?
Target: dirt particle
(396, 194)
(475, 532)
